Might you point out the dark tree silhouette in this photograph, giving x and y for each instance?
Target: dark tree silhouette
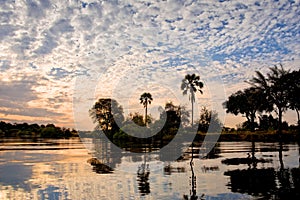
(274, 85)
(293, 86)
(209, 118)
(143, 178)
(35, 131)
(247, 103)
(190, 84)
(136, 118)
(145, 99)
(105, 113)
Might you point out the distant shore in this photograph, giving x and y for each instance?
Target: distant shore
(257, 136)
(50, 131)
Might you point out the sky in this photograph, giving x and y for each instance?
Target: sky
(58, 57)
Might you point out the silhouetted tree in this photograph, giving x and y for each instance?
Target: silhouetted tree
(293, 87)
(136, 117)
(105, 112)
(267, 122)
(247, 103)
(145, 99)
(208, 118)
(49, 132)
(275, 87)
(191, 83)
(173, 115)
(34, 130)
(176, 114)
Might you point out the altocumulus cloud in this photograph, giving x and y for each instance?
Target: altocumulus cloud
(85, 40)
(16, 95)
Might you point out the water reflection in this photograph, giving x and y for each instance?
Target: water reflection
(193, 182)
(143, 179)
(269, 183)
(233, 170)
(99, 167)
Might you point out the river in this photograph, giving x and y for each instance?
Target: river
(61, 169)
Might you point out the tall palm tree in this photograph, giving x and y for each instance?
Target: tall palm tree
(191, 83)
(293, 85)
(145, 99)
(274, 85)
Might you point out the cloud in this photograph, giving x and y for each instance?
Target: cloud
(29, 112)
(4, 65)
(37, 9)
(18, 91)
(58, 73)
(84, 40)
(7, 31)
(17, 95)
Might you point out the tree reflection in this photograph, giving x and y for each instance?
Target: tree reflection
(99, 167)
(267, 183)
(256, 182)
(193, 184)
(193, 191)
(143, 178)
(104, 159)
(250, 160)
(280, 155)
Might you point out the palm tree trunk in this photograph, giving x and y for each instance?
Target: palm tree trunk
(279, 120)
(297, 111)
(192, 114)
(146, 114)
(193, 140)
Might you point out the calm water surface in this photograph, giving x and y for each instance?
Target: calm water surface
(59, 169)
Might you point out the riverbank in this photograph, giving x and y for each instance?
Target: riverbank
(258, 136)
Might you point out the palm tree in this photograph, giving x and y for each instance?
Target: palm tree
(146, 99)
(274, 85)
(293, 86)
(191, 83)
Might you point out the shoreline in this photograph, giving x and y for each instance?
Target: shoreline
(257, 136)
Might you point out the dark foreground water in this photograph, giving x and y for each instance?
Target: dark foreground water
(59, 169)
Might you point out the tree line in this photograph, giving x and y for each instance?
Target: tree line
(275, 92)
(35, 130)
(106, 113)
(108, 116)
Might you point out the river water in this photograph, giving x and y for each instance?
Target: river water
(62, 169)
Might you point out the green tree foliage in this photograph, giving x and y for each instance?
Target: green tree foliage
(145, 99)
(171, 119)
(105, 113)
(276, 88)
(191, 84)
(247, 103)
(34, 131)
(209, 119)
(133, 124)
(50, 132)
(136, 118)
